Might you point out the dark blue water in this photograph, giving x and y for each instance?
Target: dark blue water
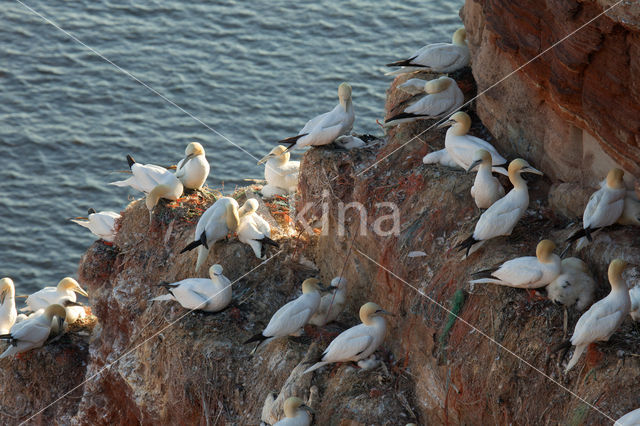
(255, 71)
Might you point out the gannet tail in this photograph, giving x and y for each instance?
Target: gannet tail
(130, 160)
(164, 297)
(315, 367)
(466, 244)
(404, 63)
(576, 356)
(202, 241)
(291, 141)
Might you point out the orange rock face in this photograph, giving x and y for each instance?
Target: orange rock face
(575, 110)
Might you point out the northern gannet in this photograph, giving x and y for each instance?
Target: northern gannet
(504, 214)
(358, 342)
(462, 147)
(631, 211)
(155, 181)
(32, 332)
(100, 224)
(486, 188)
(296, 413)
(8, 313)
(74, 310)
(290, 318)
(253, 229)
(214, 225)
(349, 142)
(279, 170)
(332, 304)
(634, 294)
(604, 207)
(437, 57)
(440, 157)
(574, 285)
(413, 86)
(630, 419)
(325, 128)
(193, 169)
(443, 97)
(605, 316)
(527, 271)
(50, 295)
(210, 295)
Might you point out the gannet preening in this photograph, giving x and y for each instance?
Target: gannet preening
(443, 97)
(605, 316)
(279, 171)
(100, 224)
(253, 229)
(525, 272)
(289, 319)
(50, 295)
(74, 310)
(155, 181)
(504, 214)
(325, 128)
(462, 147)
(32, 332)
(604, 207)
(210, 295)
(630, 419)
(214, 225)
(440, 157)
(574, 285)
(296, 413)
(8, 312)
(634, 295)
(193, 169)
(486, 188)
(437, 57)
(358, 342)
(413, 86)
(631, 211)
(332, 304)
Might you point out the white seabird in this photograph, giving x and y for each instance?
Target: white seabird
(32, 332)
(462, 147)
(332, 304)
(214, 225)
(357, 342)
(630, 419)
(279, 171)
(293, 316)
(50, 295)
(525, 272)
(193, 169)
(100, 224)
(253, 230)
(440, 157)
(437, 57)
(443, 97)
(605, 206)
(413, 86)
(349, 142)
(605, 316)
(486, 188)
(155, 181)
(8, 312)
(634, 294)
(74, 310)
(325, 128)
(504, 214)
(296, 413)
(574, 285)
(631, 211)
(206, 294)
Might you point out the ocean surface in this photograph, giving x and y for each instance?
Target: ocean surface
(254, 71)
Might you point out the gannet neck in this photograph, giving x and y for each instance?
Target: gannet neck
(459, 37)
(249, 207)
(310, 285)
(544, 251)
(214, 271)
(7, 290)
(344, 95)
(437, 85)
(616, 267)
(55, 310)
(193, 149)
(291, 406)
(614, 179)
(231, 217)
(515, 168)
(345, 103)
(156, 193)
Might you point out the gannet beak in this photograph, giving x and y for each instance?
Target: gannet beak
(171, 167)
(383, 312)
(265, 158)
(446, 124)
(530, 169)
(82, 292)
(79, 218)
(309, 409)
(475, 163)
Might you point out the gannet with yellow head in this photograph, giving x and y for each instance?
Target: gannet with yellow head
(325, 128)
(525, 272)
(358, 342)
(8, 312)
(193, 169)
(486, 188)
(290, 318)
(216, 222)
(279, 171)
(211, 294)
(605, 316)
(296, 413)
(32, 332)
(49, 295)
(253, 229)
(504, 214)
(437, 57)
